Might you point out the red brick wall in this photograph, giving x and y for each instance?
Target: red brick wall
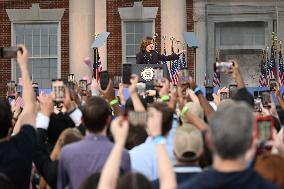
(190, 28)
(5, 34)
(114, 44)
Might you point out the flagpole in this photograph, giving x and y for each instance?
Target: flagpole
(277, 15)
(172, 49)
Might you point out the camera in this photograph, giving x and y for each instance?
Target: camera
(58, 90)
(35, 87)
(8, 52)
(223, 66)
(184, 75)
(104, 79)
(71, 78)
(232, 90)
(126, 73)
(209, 93)
(264, 129)
(83, 86)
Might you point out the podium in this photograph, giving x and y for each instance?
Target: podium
(146, 72)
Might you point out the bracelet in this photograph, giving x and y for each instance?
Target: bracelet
(113, 102)
(165, 98)
(159, 139)
(184, 109)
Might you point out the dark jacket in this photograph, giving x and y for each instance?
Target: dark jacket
(153, 57)
(46, 167)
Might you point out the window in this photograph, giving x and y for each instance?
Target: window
(134, 33)
(240, 35)
(242, 41)
(42, 42)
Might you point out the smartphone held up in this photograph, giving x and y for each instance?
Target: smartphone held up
(9, 52)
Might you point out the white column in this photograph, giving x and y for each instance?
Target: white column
(101, 26)
(81, 29)
(199, 29)
(173, 21)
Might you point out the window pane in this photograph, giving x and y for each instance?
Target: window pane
(129, 38)
(53, 29)
(131, 60)
(129, 27)
(130, 50)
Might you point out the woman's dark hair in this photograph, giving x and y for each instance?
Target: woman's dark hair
(5, 118)
(136, 135)
(145, 42)
(133, 181)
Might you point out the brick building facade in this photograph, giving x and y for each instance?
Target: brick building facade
(6, 37)
(114, 53)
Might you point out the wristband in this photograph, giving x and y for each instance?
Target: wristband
(113, 102)
(197, 91)
(165, 98)
(184, 109)
(159, 139)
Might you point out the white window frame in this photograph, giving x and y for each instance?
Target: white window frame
(13, 43)
(123, 26)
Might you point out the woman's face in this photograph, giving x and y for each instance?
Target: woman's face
(150, 47)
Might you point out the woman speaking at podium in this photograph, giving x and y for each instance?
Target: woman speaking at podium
(148, 55)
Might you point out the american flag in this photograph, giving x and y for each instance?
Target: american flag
(272, 71)
(99, 67)
(183, 61)
(174, 72)
(18, 102)
(216, 79)
(281, 67)
(263, 74)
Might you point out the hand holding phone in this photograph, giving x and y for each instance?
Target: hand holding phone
(11, 89)
(232, 90)
(209, 93)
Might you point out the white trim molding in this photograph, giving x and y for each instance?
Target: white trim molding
(138, 12)
(35, 14)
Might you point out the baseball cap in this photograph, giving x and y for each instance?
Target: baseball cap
(188, 144)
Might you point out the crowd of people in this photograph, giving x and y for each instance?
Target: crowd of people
(100, 140)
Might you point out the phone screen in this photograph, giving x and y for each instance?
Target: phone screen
(58, 90)
(232, 90)
(116, 80)
(126, 73)
(35, 87)
(209, 93)
(158, 76)
(83, 84)
(223, 95)
(265, 98)
(11, 88)
(264, 130)
(272, 84)
(184, 75)
(104, 79)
